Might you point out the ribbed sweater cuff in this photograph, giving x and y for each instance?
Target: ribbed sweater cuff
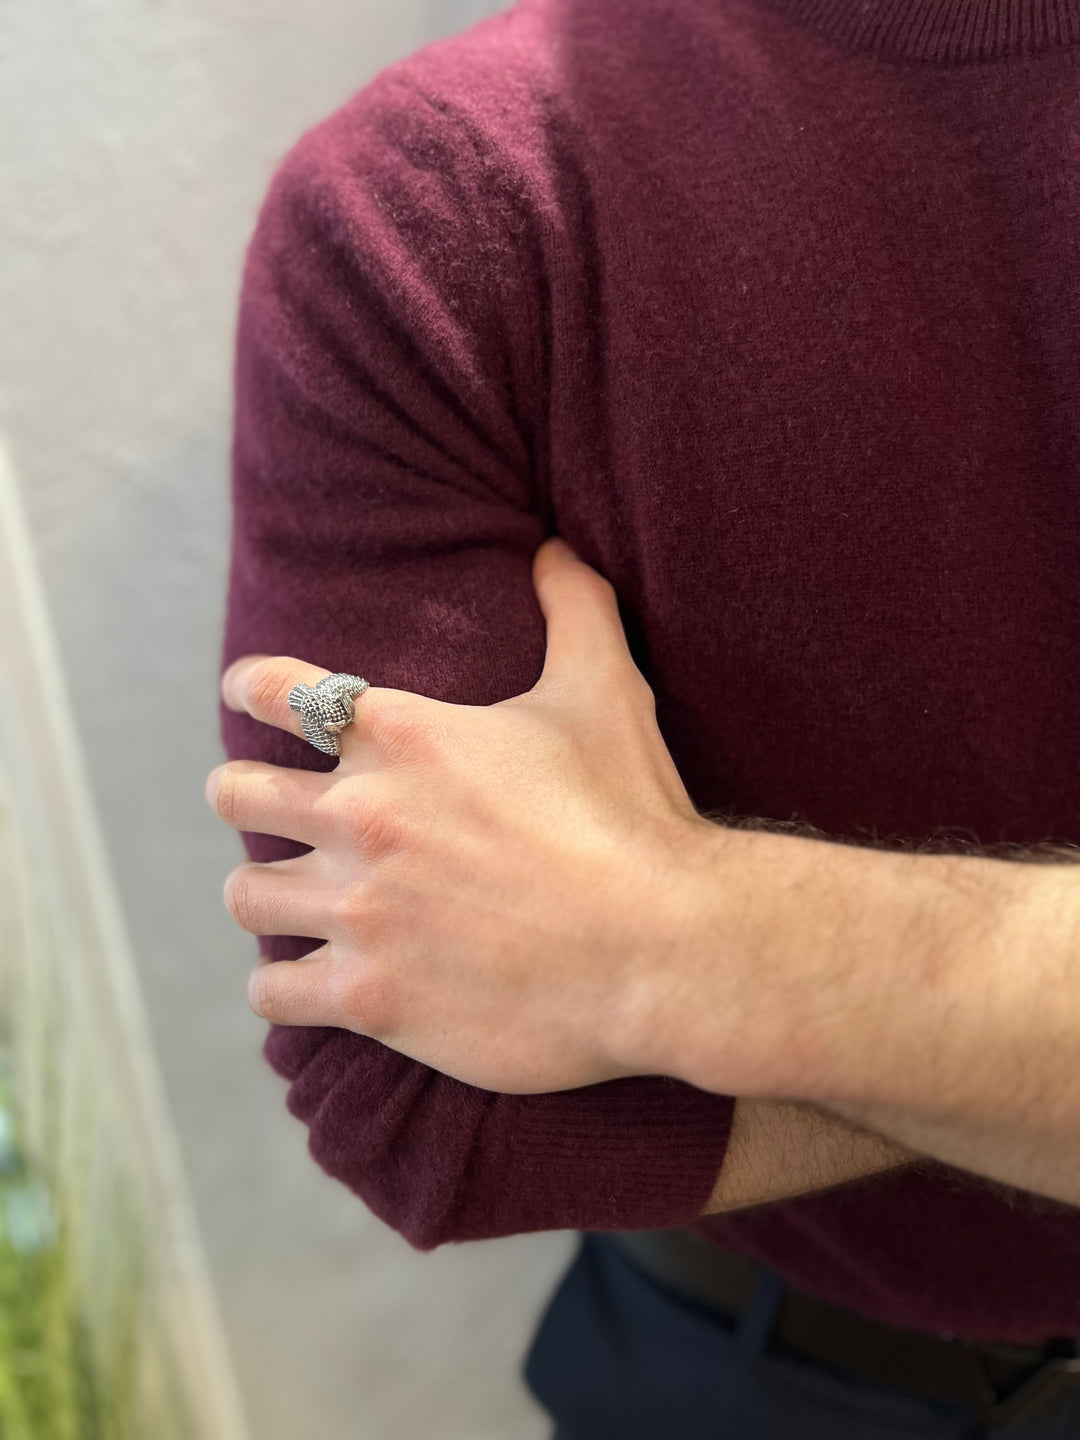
(627, 1155)
(441, 1161)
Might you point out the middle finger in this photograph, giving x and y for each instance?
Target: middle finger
(274, 800)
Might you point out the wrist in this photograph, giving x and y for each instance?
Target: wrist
(706, 1003)
(785, 946)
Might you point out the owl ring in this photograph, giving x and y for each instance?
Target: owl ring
(326, 708)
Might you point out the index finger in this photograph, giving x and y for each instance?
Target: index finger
(259, 685)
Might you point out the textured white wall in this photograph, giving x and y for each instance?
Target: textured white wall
(136, 138)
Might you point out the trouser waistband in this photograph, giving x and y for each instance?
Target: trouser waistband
(1001, 1383)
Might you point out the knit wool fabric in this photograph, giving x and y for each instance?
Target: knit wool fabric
(771, 308)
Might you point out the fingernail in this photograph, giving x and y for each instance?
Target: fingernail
(213, 785)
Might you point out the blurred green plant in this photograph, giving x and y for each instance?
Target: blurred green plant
(108, 1327)
(51, 1381)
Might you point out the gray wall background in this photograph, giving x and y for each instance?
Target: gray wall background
(136, 139)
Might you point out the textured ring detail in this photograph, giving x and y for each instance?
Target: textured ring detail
(326, 707)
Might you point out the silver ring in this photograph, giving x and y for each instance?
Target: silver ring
(326, 708)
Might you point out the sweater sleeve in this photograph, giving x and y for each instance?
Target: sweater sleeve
(384, 522)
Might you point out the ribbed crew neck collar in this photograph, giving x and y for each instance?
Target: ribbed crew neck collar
(947, 31)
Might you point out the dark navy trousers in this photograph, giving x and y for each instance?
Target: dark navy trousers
(619, 1357)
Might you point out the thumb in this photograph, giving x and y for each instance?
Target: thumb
(581, 611)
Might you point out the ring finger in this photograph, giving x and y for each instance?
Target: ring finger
(279, 897)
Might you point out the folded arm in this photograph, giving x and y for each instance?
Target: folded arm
(384, 522)
(931, 998)
(385, 516)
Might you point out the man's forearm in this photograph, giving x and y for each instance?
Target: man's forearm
(779, 1150)
(932, 998)
(983, 1071)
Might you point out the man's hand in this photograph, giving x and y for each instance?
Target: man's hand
(493, 883)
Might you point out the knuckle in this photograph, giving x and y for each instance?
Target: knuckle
(376, 825)
(268, 687)
(615, 672)
(402, 730)
(367, 1002)
(348, 910)
(225, 802)
(640, 689)
(605, 586)
(264, 992)
(240, 896)
(373, 916)
(383, 715)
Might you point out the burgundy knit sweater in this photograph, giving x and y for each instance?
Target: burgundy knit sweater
(772, 309)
